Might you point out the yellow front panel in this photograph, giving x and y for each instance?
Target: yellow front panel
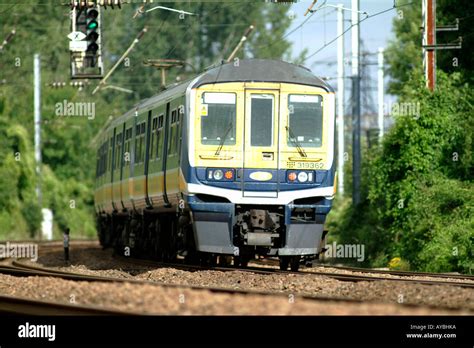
(243, 154)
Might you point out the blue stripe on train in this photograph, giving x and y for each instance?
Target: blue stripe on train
(273, 184)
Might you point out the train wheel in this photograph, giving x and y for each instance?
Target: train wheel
(241, 261)
(244, 261)
(168, 240)
(284, 262)
(295, 263)
(208, 260)
(224, 260)
(160, 226)
(192, 257)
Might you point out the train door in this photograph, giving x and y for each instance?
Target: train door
(112, 164)
(165, 153)
(261, 143)
(117, 168)
(147, 158)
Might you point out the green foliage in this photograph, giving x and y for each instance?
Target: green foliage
(404, 53)
(420, 197)
(68, 142)
(17, 191)
(418, 205)
(439, 233)
(31, 212)
(456, 60)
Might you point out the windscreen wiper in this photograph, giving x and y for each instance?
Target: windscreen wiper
(296, 142)
(221, 143)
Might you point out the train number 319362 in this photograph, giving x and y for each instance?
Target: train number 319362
(305, 165)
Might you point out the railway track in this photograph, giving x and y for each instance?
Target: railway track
(274, 263)
(20, 269)
(402, 276)
(400, 273)
(337, 276)
(16, 305)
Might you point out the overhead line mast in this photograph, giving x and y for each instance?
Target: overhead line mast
(356, 156)
(340, 99)
(429, 41)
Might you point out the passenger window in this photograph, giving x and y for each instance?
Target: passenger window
(137, 143)
(140, 146)
(109, 156)
(118, 149)
(172, 139)
(178, 135)
(153, 136)
(159, 130)
(126, 152)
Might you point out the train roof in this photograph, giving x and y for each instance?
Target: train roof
(261, 70)
(247, 70)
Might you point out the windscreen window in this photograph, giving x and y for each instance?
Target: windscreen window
(218, 118)
(305, 113)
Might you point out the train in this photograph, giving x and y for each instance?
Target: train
(233, 164)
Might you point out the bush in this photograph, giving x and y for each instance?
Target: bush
(31, 211)
(419, 187)
(439, 236)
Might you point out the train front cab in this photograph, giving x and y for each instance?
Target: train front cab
(260, 178)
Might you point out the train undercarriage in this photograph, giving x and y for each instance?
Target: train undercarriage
(169, 235)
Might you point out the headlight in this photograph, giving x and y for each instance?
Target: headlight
(229, 174)
(218, 174)
(302, 177)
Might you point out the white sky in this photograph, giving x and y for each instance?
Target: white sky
(375, 32)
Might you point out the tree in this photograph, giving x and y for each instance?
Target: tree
(419, 197)
(404, 53)
(68, 142)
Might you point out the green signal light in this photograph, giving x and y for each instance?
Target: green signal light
(92, 25)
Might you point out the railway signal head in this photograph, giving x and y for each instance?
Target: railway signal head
(86, 39)
(92, 26)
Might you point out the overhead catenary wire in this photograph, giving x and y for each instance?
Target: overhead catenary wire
(129, 49)
(291, 31)
(352, 25)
